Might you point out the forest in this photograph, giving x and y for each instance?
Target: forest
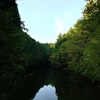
(19, 53)
(77, 50)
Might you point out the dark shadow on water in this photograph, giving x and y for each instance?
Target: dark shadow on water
(32, 85)
(68, 85)
(71, 86)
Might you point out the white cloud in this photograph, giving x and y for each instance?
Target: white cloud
(62, 22)
(59, 26)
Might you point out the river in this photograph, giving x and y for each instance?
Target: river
(50, 84)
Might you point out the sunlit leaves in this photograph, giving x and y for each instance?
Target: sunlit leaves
(81, 46)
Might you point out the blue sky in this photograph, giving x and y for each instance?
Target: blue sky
(45, 19)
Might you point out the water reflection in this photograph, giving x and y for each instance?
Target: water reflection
(45, 84)
(46, 93)
(71, 86)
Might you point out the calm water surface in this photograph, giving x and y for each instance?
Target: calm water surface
(48, 84)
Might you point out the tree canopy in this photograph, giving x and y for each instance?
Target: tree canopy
(79, 48)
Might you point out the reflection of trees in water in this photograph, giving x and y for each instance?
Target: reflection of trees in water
(32, 85)
(68, 86)
(71, 86)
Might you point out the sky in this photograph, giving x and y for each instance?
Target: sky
(45, 19)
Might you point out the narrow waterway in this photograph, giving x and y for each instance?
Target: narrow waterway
(48, 84)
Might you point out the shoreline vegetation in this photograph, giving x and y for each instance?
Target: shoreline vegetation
(77, 50)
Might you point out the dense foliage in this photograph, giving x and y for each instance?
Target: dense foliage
(19, 53)
(79, 48)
